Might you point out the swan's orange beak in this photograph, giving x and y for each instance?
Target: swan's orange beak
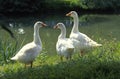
(68, 14)
(44, 25)
(55, 27)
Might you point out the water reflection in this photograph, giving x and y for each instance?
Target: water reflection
(94, 22)
(21, 31)
(51, 20)
(18, 22)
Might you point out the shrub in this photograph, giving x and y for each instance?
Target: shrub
(46, 5)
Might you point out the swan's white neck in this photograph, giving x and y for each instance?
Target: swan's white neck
(76, 23)
(63, 33)
(37, 39)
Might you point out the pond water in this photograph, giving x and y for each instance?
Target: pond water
(97, 27)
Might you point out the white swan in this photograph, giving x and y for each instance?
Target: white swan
(29, 52)
(64, 46)
(84, 41)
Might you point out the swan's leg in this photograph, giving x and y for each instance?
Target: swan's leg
(82, 53)
(61, 58)
(67, 58)
(31, 64)
(70, 57)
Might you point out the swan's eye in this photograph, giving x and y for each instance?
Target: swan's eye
(60, 25)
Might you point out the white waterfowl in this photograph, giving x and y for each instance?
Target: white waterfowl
(29, 52)
(84, 41)
(64, 46)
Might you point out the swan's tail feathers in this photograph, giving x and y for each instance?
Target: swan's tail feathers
(97, 45)
(14, 58)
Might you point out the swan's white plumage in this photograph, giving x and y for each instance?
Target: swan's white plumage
(29, 52)
(81, 40)
(64, 46)
(84, 40)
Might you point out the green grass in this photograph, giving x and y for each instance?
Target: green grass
(99, 63)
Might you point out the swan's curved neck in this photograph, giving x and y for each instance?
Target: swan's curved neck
(63, 33)
(37, 39)
(76, 23)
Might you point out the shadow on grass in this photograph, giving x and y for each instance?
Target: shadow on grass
(76, 69)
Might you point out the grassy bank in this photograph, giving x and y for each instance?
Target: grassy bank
(101, 63)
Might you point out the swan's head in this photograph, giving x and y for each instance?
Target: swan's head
(40, 24)
(72, 14)
(59, 26)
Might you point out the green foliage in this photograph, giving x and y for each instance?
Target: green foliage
(93, 65)
(43, 5)
(102, 62)
(101, 4)
(7, 50)
(42, 57)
